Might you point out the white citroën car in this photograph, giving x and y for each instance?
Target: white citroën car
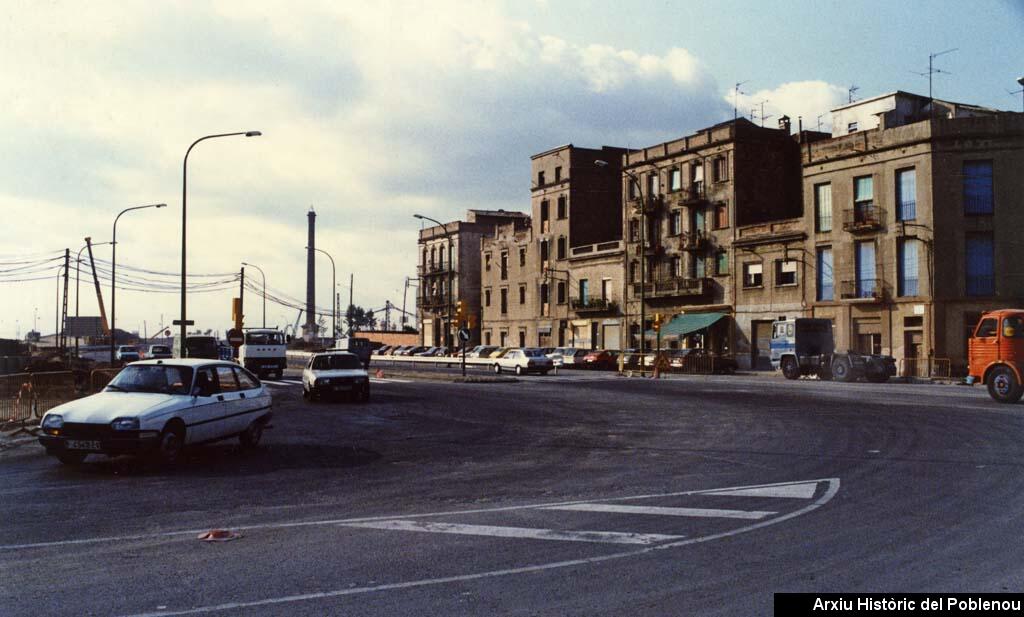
(157, 407)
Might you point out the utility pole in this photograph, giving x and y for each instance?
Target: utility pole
(351, 282)
(241, 296)
(64, 312)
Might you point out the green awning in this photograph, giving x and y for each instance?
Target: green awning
(685, 323)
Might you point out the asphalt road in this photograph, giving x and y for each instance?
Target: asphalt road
(571, 495)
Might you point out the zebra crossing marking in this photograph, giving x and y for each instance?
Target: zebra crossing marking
(663, 511)
(532, 533)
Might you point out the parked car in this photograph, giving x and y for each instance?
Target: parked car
(429, 351)
(334, 373)
(600, 359)
(157, 408)
(631, 358)
(157, 352)
(996, 354)
(573, 357)
(383, 350)
(412, 351)
(498, 352)
(523, 361)
(480, 351)
(127, 353)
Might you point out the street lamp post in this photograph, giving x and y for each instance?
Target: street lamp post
(78, 277)
(643, 260)
(264, 277)
(334, 286)
(113, 276)
(451, 268)
(183, 322)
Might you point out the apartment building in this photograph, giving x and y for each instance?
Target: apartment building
(914, 226)
(450, 270)
(684, 202)
(559, 283)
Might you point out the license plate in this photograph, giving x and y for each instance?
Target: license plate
(342, 388)
(74, 444)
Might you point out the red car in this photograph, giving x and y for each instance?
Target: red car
(600, 359)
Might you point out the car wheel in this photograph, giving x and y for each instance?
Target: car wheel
(790, 369)
(841, 370)
(71, 458)
(1003, 386)
(497, 369)
(172, 443)
(251, 436)
(519, 370)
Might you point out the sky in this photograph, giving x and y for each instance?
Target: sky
(373, 112)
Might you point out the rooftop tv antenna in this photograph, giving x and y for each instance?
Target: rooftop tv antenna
(820, 116)
(735, 98)
(1020, 80)
(932, 70)
(849, 93)
(764, 117)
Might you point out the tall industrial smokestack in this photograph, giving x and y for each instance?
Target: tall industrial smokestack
(310, 327)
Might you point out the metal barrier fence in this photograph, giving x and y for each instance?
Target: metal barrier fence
(925, 368)
(25, 397)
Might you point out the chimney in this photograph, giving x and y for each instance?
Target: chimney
(784, 123)
(309, 330)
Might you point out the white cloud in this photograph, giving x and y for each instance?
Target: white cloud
(797, 99)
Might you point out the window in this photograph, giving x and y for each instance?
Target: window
(504, 265)
(721, 216)
(676, 266)
(504, 300)
(522, 333)
(675, 182)
(487, 337)
(433, 256)
(425, 262)
(540, 178)
(543, 293)
(652, 184)
(863, 192)
(562, 210)
(558, 174)
(561, 292)
(825, 275)
(522, 294)
(696, 173)
(543, 250)
(785, 272)
(544, 218)
(752, 273)
(522, 257)
(487, 262)
(851, 127)
(823, 207)
(634, 230)
(584, 291)
(1012, 327)
(699, 265)
(907, 264)
(676, 223)
(226, 377)
(906, 195)
(980, 265)
(721, 263)
(560, 247)
(606, 289)
(487, 297)
(634, 272)
(987, 328)
(720, 170)
(865, 269)
(978, 187)
(699, 217)
(633, 189)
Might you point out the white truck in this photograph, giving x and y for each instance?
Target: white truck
(804, 346)
(264, 352)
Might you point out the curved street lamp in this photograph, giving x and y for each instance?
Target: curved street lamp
(264, 276)
(113, 276)
(643, 259)
(183, 322)
(451, 268)
(334, 287)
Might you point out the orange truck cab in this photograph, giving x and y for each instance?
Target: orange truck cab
(996, 354)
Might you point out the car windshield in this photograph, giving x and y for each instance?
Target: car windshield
(533, 353)
(158, 378)
(336, 362)
(1012, 327)
(264, 338)
(160, 349)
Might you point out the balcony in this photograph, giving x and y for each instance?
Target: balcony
(863, 217)
(674, 286)
(694, 241)
(433, 269)
(433, 302)
(690, 195)
(652, 204)
(864, 290)
(594, 305)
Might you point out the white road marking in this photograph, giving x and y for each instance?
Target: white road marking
(793, 491)
(833, 488)
(739, 490)
(389, 380)
(609, 537)
(663, 511)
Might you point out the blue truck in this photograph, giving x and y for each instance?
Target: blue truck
(805, 346)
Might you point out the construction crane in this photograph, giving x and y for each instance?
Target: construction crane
(99, 294)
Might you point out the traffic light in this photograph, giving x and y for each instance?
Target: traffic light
(458, 311)
(657, 322)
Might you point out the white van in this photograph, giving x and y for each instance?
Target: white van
(264, 352)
